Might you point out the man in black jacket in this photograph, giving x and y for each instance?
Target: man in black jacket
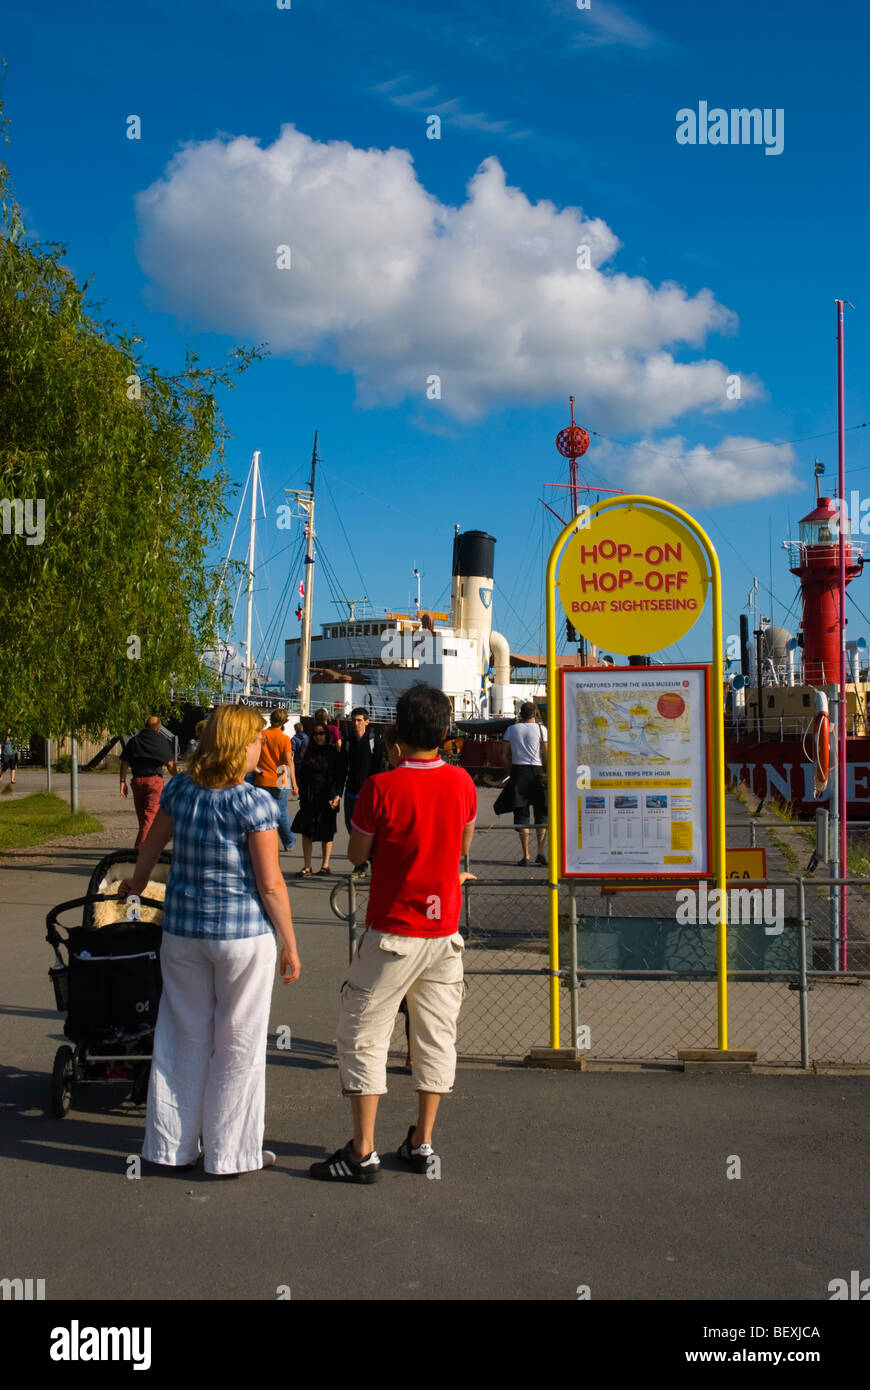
(366, 755)
(146, 754)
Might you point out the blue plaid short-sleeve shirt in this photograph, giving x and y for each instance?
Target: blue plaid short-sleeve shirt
(211, 890)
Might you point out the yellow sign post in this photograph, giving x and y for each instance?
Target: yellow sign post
(632, 574)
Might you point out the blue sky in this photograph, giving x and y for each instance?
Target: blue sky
(456, 257)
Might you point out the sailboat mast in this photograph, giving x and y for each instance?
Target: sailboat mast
(249, 660)
(305, 645)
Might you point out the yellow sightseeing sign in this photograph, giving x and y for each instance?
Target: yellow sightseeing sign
(633, 580)
(632, 575)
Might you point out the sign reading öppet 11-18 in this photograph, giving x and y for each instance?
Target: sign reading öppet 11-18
(635, 775)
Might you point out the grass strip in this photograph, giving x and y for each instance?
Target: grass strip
(33, 820)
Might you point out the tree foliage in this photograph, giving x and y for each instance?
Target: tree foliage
(129, 466)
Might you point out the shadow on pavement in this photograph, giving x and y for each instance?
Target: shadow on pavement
(305, 1053)
(30, 1133)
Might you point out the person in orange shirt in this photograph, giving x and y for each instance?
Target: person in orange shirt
(276, 773)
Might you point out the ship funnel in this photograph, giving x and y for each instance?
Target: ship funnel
(774, 645)
(471, 592)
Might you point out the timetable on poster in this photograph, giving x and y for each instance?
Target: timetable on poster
(635, 771)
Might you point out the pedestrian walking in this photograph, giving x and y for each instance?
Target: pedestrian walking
(321, 779)
(276, 773)
(146, 754)
(366, 756)
(9, 756)
(321, 718)
(526, 740)
(299, 743)
(226, 901)
(414, 823)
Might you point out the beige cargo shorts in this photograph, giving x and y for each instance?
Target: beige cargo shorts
(385, 970)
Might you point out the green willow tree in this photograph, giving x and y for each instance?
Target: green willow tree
(115, 606)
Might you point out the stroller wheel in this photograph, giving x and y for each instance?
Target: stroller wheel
(62, 1082)
(139, 1093)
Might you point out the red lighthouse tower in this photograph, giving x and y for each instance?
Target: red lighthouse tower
(817, 567)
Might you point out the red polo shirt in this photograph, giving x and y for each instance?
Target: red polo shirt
(417, 814)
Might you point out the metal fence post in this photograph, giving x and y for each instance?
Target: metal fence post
(802, 959)
(572, 927)
(73, 776)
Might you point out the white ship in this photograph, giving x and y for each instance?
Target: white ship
(368, 657)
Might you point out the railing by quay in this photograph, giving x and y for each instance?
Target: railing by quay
(507, 972)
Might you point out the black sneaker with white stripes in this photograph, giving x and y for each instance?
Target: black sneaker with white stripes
(418, 1160)
(344, 1167)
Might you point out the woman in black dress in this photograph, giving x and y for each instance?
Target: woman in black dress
(321, 777)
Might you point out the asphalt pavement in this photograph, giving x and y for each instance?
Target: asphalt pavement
(549, 1180)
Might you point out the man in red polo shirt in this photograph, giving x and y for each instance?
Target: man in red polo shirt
(414, 823)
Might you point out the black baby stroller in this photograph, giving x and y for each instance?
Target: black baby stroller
(109, 985)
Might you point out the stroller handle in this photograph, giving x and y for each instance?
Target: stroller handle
(53, 936)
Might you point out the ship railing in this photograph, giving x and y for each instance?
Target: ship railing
(797, 551)
(783, 727)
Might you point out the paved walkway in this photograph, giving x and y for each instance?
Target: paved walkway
(549, 1180)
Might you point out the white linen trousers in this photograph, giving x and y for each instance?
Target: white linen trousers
(208, 1076)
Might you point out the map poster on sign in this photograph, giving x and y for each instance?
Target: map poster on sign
(635, 772)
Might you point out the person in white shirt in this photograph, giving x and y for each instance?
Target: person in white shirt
(526, 742)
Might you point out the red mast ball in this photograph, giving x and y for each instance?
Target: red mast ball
(572, 442)
(818, 572)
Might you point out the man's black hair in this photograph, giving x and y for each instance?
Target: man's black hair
(359, 710)
(422, 716)
(526, 710)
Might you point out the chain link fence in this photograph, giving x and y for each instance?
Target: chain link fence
(645, 979)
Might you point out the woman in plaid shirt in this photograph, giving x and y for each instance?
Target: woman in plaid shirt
(224, 895)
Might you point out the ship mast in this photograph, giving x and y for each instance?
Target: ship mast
(572, 444)
(249, 660)
(305, 501)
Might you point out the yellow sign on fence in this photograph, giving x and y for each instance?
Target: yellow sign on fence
(745, 863)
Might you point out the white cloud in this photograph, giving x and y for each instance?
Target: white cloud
(606, 25)
(739, 469)
(393, 285)
(425, 102)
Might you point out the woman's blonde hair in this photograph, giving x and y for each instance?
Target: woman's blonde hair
(223, 738)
